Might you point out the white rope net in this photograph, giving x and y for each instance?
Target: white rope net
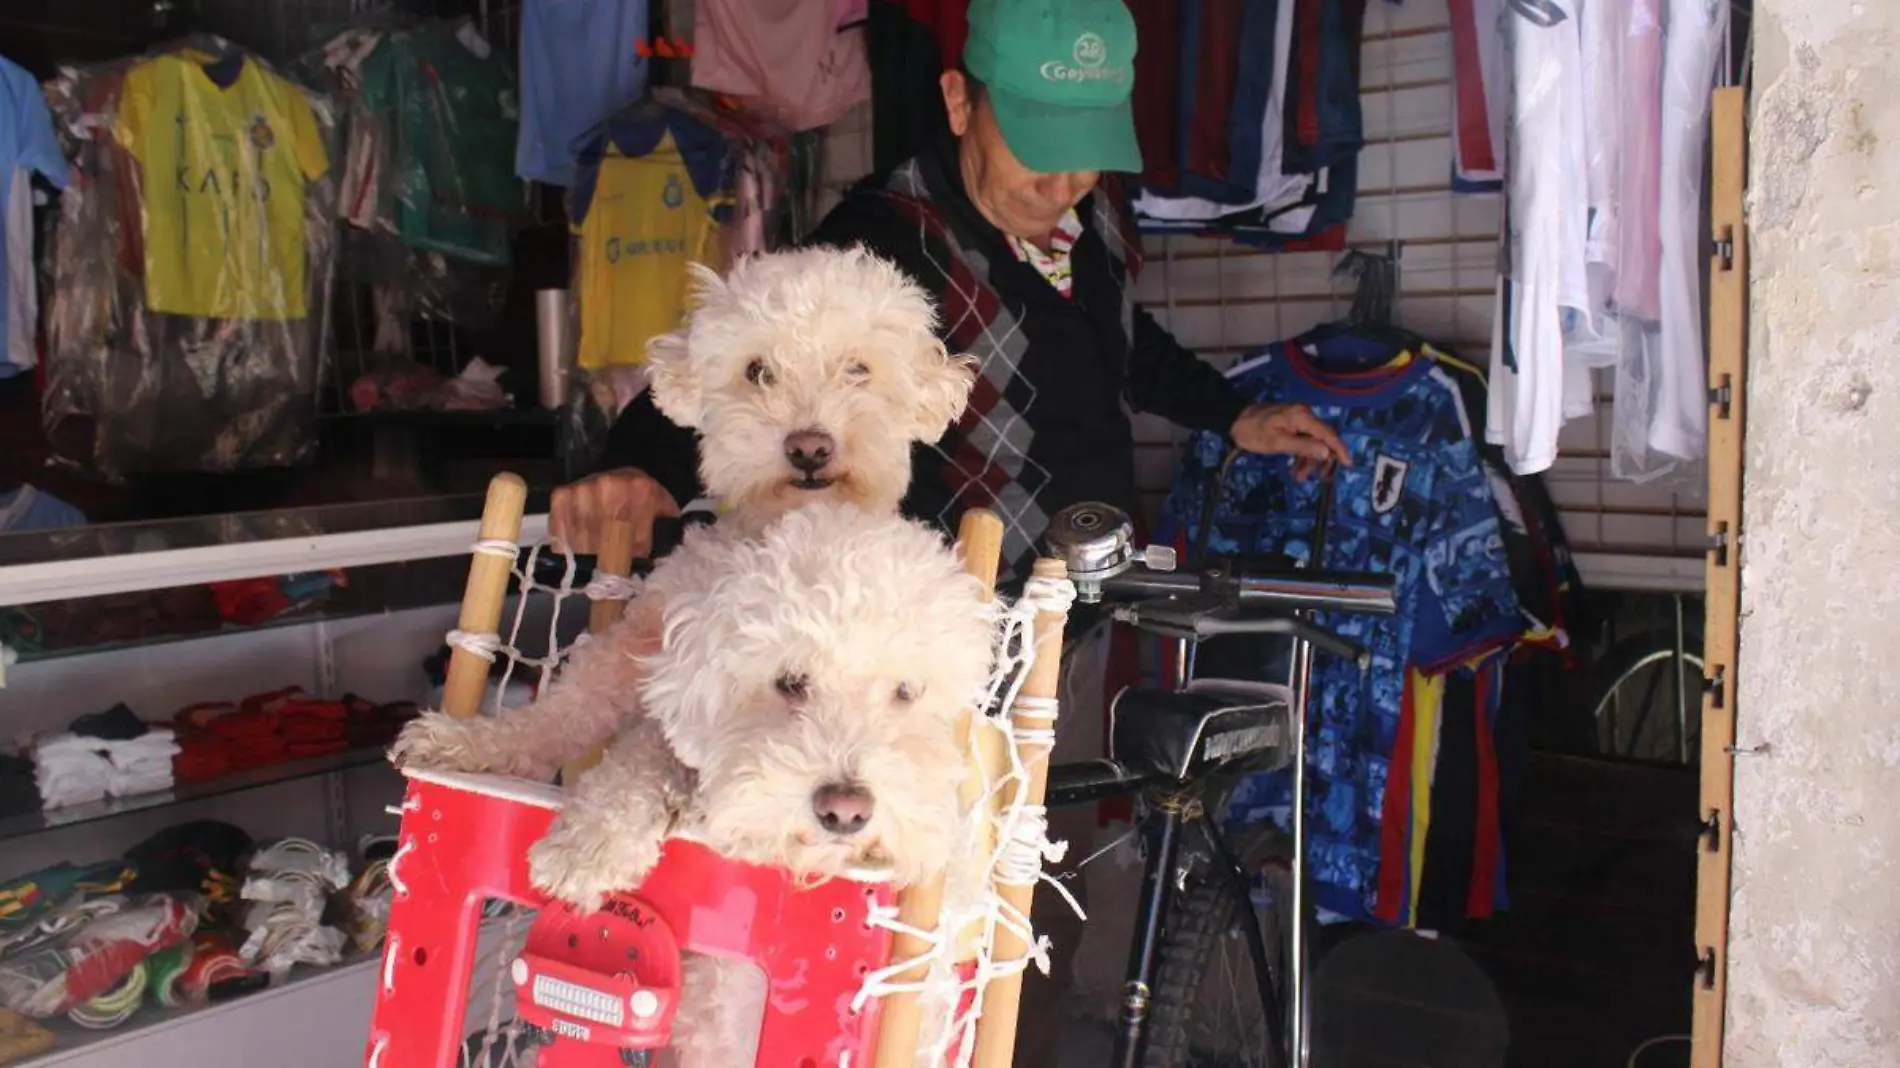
(1002, 841)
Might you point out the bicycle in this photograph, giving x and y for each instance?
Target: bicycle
(1183, 749)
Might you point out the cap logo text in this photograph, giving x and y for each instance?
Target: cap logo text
(1090, 56)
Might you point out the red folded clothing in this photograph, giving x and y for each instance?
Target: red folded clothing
(201, 758)
(273, 701)
(237, 725)
(304, 708)
(197, 717)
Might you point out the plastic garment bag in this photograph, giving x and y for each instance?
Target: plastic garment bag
(192, 263)
(429, 116)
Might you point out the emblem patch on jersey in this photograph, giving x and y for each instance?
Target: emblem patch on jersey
(674, 194)
(261, 134)
(1388, 483)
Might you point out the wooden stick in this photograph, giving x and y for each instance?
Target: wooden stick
(1002, 998)
(615, 558)
(900, 1027)
(488, 581)
(1728, 352)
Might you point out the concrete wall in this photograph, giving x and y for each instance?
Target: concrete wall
(1816, 921)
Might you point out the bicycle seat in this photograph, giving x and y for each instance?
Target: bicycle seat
(1186, 735)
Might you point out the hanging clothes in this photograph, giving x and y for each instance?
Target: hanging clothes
(1416, 504)
(1480, 102)
(1250, 120)
(27, 147)
(189, 308)
(580, 63)
(1604, 229)
(649, 200)
(428, 155)
(1678, 416)
(791, 59)
(224, 152)
(1545, 297)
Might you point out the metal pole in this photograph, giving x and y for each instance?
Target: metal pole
(1298, 949)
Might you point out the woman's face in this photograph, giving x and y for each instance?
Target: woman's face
(1016, 200)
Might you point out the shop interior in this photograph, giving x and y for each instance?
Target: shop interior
(234, 527)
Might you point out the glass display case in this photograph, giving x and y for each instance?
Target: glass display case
(324, 625)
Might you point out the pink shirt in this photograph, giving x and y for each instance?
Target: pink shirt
(788, 57)
(1639, 246)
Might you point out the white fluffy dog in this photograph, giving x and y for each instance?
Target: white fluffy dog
(808, 374)
(799, 710)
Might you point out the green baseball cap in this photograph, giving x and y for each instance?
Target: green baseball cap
(1060, 74)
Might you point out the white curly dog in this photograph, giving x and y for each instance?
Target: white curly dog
(808, 375)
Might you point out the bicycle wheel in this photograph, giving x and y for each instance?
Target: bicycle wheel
(1634, 699)
(1205, 1010)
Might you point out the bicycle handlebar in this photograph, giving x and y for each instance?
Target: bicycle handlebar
(1097, 544)
(1282, 587)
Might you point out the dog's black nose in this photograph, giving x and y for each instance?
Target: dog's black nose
(842, 809)
(809, 450)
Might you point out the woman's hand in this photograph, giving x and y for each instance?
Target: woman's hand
(1291, 430)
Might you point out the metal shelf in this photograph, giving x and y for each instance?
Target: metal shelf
(32, 823)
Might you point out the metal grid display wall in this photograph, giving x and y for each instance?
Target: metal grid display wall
(1222, 300)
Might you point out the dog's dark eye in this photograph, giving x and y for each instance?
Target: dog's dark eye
(907, 692)
(858, 373)
(758, 374)
(792, 686)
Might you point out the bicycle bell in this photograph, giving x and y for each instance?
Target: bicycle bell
(1096, 542)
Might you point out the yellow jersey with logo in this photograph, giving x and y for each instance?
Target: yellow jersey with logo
(643, 226)
(222, 171)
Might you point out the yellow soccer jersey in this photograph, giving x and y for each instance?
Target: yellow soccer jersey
(643, 226)
(222, 173)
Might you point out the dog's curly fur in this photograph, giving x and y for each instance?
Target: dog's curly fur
(810, 640)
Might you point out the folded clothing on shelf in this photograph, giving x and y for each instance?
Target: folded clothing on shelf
(72, 768)
(142, 765)
(267, 729)
(112, 753)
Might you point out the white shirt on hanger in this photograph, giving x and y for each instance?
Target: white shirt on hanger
(1692, 48)
(1548, 291)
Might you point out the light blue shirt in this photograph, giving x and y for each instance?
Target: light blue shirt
(26, 144)
(29, 509)
(579, 65)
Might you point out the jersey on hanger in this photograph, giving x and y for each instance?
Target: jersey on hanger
(642, 221)
(1415, 505)
(222, 170)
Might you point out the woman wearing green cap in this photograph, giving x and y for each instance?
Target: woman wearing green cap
(1032, 260)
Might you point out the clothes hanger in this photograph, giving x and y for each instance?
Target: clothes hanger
(1370, 315)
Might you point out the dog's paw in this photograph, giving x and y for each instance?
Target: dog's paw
(583, 867)
(440, 741)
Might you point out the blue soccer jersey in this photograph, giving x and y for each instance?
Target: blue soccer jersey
(1415, 504)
